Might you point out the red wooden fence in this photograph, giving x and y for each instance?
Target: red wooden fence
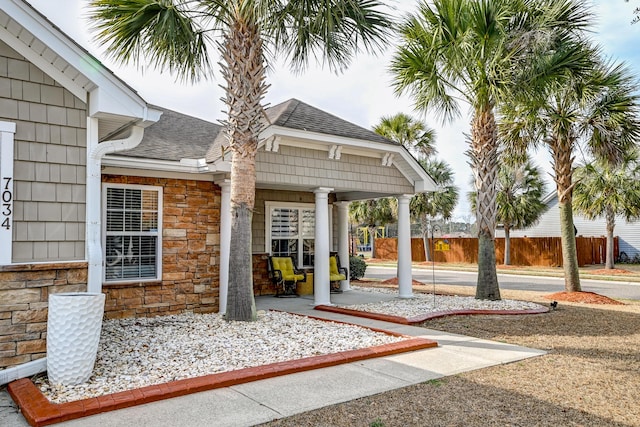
(541, 251)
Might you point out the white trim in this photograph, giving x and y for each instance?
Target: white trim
(158, 233)
(404, 161)
(7, 194)
(225, 242)
(269, 206)
(192, 166)
(111, 95)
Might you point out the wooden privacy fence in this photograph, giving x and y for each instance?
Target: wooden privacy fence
(540, 251)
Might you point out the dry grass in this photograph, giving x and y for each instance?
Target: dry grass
(590, 377)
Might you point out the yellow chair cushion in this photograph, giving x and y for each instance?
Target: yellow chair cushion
(285, 265)
(334, 274)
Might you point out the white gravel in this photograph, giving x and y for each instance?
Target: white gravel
(426, 303)
(135, 353)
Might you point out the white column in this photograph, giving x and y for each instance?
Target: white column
(343, 240)
(321, 285)
(93, 202)
(225, 243)
(7, 196)
(404, 248)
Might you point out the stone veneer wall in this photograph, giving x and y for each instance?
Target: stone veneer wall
(24, 296)
(190, 253)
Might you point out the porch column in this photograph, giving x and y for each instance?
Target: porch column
(343, 240)
(404, 248)
(225, 243)
(321, 285)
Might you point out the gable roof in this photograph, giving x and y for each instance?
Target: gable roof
(294, 114)
(109, 99)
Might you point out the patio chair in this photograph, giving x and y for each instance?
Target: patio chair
(285, 275)
(336, 273)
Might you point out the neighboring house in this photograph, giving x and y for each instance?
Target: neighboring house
(105, 193)
(549, 226)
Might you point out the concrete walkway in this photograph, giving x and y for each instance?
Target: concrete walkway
(265, 400)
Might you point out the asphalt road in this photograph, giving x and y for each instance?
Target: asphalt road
(624, 290)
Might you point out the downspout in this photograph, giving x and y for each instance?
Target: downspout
(93, 198)
(96, 151)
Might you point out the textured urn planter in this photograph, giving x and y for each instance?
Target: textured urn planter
(73, 333)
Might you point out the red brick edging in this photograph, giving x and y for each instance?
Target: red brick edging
(424, 317)
(39, 411)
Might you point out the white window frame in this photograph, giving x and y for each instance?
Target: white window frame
(7, 194)
(271, 205)
(157, 233)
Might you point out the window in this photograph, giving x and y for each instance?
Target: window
(132, 237)
(290, 231)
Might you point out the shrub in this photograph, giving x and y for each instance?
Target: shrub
(357, 267)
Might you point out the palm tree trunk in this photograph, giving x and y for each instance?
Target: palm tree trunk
(244, 73)
(569, 251)
(507, 245)
(611, 224)
(562, 149)
(484, 159)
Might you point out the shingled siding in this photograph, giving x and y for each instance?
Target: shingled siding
(190, 254)
(313, 168)
(24, 296)
(50, 162)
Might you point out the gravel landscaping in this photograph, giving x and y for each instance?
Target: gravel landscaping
(422, 304)
(138, 352)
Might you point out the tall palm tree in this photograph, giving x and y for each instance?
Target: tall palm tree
(519, 199)
(427, 206)
(413, 134)
(594, 105)
(608, 190)
(175, 35)
(477, 51)
(372, 213)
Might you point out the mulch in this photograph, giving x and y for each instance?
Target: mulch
(582, 297)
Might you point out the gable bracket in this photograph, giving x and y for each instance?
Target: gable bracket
(335, 152)
(387, 159)
(272, 144)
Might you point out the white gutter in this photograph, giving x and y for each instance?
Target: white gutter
(96, 151)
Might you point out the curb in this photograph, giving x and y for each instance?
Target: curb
(424, 317)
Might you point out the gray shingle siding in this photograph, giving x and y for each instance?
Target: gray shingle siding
(49, 162)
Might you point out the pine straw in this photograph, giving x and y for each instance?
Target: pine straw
(590, 377)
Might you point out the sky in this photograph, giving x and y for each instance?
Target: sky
(362, 94)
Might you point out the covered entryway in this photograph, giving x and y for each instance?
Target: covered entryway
(310, 166)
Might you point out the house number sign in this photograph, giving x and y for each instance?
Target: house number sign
(7, 132)
(7, 203)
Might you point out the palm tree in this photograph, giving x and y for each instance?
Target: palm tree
(477, 51)
(594, 104)
(608, 190)
(519, 199)
(175, 35)
(427, 206)
(372, 213)
(414, 135)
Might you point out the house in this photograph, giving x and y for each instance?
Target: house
(102, 192)
(628, 233)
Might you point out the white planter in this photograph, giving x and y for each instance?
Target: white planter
(73, 333)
